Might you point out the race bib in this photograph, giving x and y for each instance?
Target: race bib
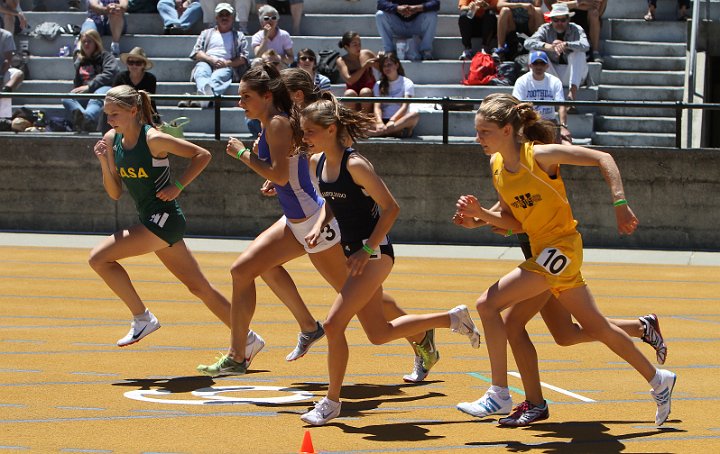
(553, 260)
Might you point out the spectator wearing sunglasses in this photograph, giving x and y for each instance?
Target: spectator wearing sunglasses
(537, 85)
(307, 61)
(296, 11)
(221, 55)
(137, 75)
(270, 36)
(242, 12)
(588, 15)
(565, 44)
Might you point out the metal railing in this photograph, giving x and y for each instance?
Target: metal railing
(446, 104)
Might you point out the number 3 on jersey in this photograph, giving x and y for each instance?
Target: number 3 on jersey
(328, 233)
(553, 260)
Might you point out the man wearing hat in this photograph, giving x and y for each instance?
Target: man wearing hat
(221, 55)
(537, 85)
(565, 44)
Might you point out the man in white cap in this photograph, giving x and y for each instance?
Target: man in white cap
(242, 11)
(537, 85)
(565, 44)
(220, 53)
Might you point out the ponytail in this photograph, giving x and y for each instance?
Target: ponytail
(503, 109)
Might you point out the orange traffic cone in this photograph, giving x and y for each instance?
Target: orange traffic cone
(307, 446)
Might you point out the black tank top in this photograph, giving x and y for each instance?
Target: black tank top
(356, 212)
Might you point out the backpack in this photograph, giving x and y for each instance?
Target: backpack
(326, 66)
(482, 70)
(507, 74)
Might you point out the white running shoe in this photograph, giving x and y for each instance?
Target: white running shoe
(461, 323)
(663, 395)
(139, 329)
(489, 404)
(418, 373)
(305, 341)
(324, 411)
(254, 344)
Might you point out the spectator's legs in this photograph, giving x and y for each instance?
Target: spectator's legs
(242, 12)
(594, 32)
(367, 107)
(387, 26)
(166, 9)
(352, 105)
(650, 16)
(117, 26)
(71, 105)
(466, 25)
(201, 74)
(220, 80)
(296, 10)
(505, 25)
(578, 70)
(683, 6)
(424, 26)
(94, 107)
(192, 15)
(535, 21)
(89, 24)
(12, 79)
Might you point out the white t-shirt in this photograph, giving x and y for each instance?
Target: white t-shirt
(549, 89)
(221, 45)
(280, 43)
(402, 87)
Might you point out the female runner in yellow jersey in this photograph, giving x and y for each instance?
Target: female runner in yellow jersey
(533, 199)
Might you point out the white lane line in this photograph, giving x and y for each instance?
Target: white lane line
(560, 390)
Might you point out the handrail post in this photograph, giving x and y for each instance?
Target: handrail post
(678, 124)
(446, 119)
(216, 105)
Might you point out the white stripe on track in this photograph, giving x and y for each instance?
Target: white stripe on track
(560, 390)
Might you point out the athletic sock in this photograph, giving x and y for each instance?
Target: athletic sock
(655, 382)
(502, 392)
(144, 317)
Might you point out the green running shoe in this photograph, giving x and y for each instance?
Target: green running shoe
(224, 366)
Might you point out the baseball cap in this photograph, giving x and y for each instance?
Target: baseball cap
(538, 55)
(224, 7)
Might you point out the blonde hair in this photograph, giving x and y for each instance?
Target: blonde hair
(503, 109)
(126, 97)
(327, 111)
(95, 36)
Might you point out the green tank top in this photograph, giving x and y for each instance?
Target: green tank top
(144, 175)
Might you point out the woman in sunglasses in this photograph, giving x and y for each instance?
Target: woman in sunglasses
(307, 60)
(270, 36)
(137, 75)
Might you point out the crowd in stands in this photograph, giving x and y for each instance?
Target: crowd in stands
(561, 41)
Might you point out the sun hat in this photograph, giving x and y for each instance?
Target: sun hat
(139, 54)
(560, 9)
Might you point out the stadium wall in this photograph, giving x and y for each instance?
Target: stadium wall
(51, 184)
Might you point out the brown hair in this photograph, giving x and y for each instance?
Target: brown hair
(384, 82)
(347, 38)
(328, 110)
(127, 97)
(503, 109)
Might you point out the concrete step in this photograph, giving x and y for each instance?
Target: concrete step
(640, 93)
(642, 63)
(610, 123)
(633, 139)
(643, 48)
(178, 69)
(639, 30)
(656, 78)
(654, 112)
(233, 120)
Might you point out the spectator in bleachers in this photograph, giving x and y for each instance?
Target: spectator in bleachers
(683, 6)
(12, 77)
(179, 15)
(566, 44)
(12, 16)
(393, 119)
(356, 69)
(221, 55)
(307, 60)
(588, 15)
(537, 85)
(270, 36)
(107, 17)
(477, 19)
(95, 70)
(296, 12)
(407, 19)
(39, 5)
(242, 12)
(137, 75)
(515, 16)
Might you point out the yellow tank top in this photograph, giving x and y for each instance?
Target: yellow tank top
(539, 202)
